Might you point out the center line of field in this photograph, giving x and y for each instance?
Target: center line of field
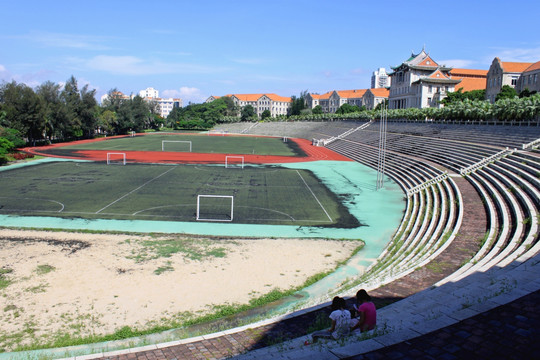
(312, 193)
(132, 191)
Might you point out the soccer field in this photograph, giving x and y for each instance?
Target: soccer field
(195, 143)
(254, 194)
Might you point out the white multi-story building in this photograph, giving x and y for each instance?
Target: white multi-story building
(380, 79)
(419, 82)
(149, 93)
(164, 106)
(276, 104)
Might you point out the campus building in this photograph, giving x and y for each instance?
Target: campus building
(374, 97)
(164, 106)
(149, 93)
(503, 73)
(332, 100)
(117, 95)
(421, 82)
(380, 79)
(529, 78)
(276, 104)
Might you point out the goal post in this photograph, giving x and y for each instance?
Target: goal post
(216, 132)
(234, 162)
(163, 142)
(215, 208)
(116, 158)
(132, 134)
(285, 139)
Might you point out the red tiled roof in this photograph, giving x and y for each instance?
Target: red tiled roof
(515, 66)
(438, 74)
(535, 66)
(275, 97)
(380, 92)
(350, 94)
(468, 72)
(425, 62)
(469, 84)
(248, 97)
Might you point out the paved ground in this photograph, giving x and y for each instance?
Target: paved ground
(509, 331)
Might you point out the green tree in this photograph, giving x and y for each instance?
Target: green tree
(347, 108)
(526, 93)
(248, 113)
(317, 110)
(298, 103)
(266, 114)
(507, 92)
(53, 110)
(13, 136)
(23, 110)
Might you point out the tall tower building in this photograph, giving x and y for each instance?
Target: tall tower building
(380, 79)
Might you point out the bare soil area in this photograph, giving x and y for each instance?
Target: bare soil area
(57, 283)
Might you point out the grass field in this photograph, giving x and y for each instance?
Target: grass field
(199, 144)
(262, 194)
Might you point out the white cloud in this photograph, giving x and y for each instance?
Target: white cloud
(72, 41)
(517, 54)
(457, 63)
(2, 68)
(132, 65)
(187, 94)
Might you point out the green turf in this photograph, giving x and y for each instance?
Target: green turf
(200, 144)
(262, 194)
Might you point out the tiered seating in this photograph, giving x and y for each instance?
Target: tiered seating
(429, 221)
(510, 188)
(501, 136)
(299, 129)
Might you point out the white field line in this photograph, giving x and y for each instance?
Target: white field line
(132, 191)
(312, 193)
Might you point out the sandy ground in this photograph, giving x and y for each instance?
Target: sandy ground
(85, 284)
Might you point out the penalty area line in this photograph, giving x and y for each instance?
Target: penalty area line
(132, 191)
(312, 193)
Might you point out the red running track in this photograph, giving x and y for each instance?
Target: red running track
(314, 153)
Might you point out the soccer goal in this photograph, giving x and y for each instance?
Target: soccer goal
(234, 162)
(215, 207)
(217, 132)
(132, 134)
(285, 139)
(173, 145)
(116, 158)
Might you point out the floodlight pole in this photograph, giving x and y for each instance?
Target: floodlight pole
(381, 161)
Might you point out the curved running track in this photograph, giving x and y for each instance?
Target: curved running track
(314, 153)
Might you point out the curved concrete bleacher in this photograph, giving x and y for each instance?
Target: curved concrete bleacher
(508, 258)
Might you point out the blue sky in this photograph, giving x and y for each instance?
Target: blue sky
(194, 49)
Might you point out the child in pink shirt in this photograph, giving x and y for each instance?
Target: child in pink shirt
(367, 314)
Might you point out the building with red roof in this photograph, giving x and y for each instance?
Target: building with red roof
(529, 78)
(503, 73)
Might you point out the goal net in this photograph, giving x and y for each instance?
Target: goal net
(285, 139)
(116, 158)
(217, 132)
(176, 145)
(234, 162)
(132, 134)
(215, 207)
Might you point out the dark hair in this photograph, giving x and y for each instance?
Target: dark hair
(338, 303)
(362, 295)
